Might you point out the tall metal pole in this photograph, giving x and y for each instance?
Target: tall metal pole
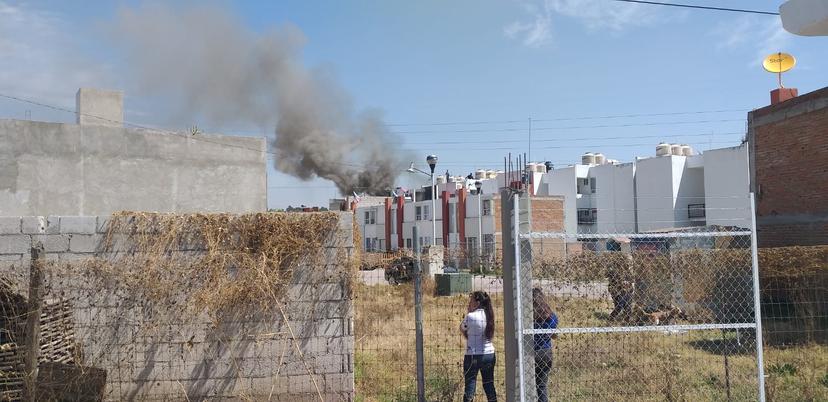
(418, 318)
(757, 304)
(433, 210)
(480, 223)
(530, 140)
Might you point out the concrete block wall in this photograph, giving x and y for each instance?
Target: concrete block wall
(250, 355)
(93, 169)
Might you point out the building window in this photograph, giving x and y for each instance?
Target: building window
(426, 216)
(370, 217)
(488, 244)
(368, 245)
(487, 207)
(581, 185)
(408, 243)
(587, 216)
(471, 243)
(418, 213)
(592, 185)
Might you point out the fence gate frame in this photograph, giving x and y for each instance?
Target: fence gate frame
(517, 255)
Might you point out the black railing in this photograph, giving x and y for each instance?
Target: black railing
(695, 211)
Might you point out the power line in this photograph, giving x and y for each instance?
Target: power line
(589, 146)
(504, 130)
(694, 6)
(618, 116)
(579, 139)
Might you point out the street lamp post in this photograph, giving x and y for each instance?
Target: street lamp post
(432, 163)
(479, 186)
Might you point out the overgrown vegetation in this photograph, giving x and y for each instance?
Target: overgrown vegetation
(214, 263)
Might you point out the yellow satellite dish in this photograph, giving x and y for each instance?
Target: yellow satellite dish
(779, 63)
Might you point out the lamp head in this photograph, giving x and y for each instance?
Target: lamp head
(432, 162)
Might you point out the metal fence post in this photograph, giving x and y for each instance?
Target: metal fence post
(519, 305)
(32, 340)
(418, 316)
(757, 304)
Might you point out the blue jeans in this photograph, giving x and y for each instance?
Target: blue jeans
(485, 365)
(543, 365)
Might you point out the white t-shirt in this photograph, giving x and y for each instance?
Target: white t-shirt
(475, 326)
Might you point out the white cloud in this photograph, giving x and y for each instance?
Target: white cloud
(536, 29)
(39, 58)
(761, 35)
(535, 33)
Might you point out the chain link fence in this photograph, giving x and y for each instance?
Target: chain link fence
(385, 355)
(646, 316)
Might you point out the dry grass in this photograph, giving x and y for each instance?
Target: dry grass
(214, 263)
(647, 366)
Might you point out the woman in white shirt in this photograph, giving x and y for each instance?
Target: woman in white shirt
(478, 328)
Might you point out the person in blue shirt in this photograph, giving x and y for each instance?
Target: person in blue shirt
(544, 318)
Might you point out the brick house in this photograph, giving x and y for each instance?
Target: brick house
(789, 168)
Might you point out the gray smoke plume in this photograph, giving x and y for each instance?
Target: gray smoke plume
(210, 66)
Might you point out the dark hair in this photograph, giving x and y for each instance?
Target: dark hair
(540, 306)
(485, 302)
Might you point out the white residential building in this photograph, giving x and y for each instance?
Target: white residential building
(652, 193)
(669, 191)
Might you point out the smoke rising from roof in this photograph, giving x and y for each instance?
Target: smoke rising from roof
(210, 66)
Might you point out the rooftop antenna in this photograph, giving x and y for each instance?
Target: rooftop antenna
(779, 63)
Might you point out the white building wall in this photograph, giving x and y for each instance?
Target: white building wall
(689, 188)
(655, 183)
(726, 186)
(614, 198)
(562, 182)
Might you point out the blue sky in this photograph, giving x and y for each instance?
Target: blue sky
(492, 63)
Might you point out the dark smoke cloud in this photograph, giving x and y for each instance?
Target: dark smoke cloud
(209, 65)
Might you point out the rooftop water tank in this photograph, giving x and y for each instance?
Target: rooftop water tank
(588, 159)
(675, 149)
(686, 150)
(663, 149)
(441, 179)
(600, 159)
(480, 174)
(491, 174)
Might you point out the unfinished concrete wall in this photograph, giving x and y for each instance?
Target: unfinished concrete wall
(99, 107)
(247, 355)
(69, 169)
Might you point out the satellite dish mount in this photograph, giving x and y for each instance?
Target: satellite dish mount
(779, 63)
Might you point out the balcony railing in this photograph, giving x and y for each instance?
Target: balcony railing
(587, 216)
(696, 211)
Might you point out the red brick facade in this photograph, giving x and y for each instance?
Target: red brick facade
(789, 170)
